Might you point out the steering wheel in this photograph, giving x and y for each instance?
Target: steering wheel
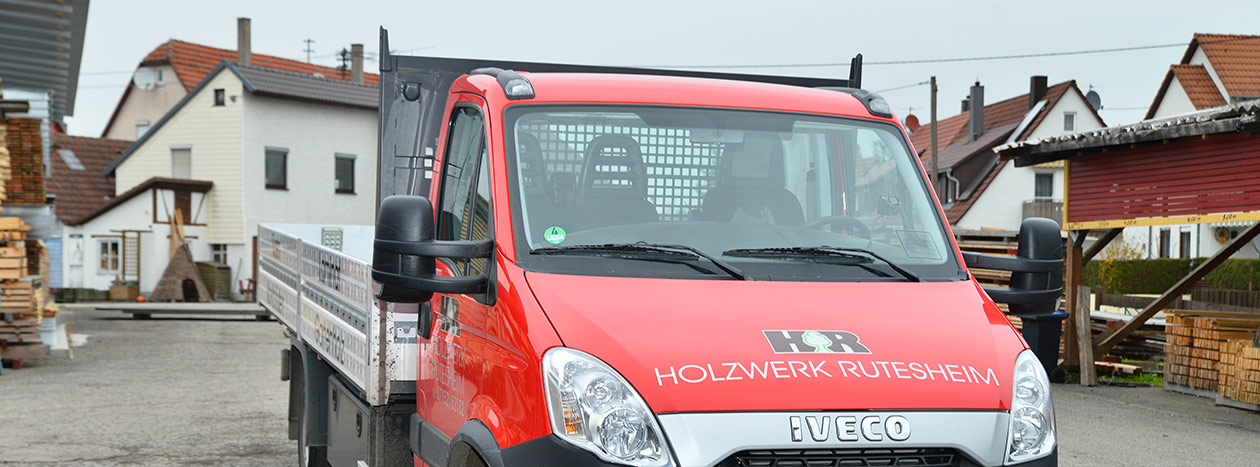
(846, 224)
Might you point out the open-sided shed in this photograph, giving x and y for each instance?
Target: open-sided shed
(1195, 168)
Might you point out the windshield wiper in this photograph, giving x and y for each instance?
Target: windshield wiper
(814, 251)
(645, 247)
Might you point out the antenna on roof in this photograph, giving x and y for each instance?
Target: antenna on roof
(344, 56)
(308, 49)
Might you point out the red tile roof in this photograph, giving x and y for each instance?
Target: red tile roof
(192, 62)
(957, 129)
(82, 190)
(1234, 57)
(1198, 85)
(1000, 120)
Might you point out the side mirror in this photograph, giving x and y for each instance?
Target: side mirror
(1036, 270)
(404, 254)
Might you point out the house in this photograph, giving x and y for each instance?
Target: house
(248, 144)
(76, 187)
(978, 190)
(1217, 69)
(173, 69)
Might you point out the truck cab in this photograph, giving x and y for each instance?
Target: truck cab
(651, 268)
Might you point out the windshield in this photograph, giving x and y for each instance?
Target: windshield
(722, 182)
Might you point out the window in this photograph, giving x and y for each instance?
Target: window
(142, 127)
(181, 162)
(1185, 244)
(343, 172)
(161, 77)
(1044, 186)
(111, 252)
(218, 253)
(218, 97)
(1165, 243)
(1069, 121)
(276, 168)
(462, 215)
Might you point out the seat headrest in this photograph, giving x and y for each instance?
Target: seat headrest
(756, 162)
(613, 166)
(532, 165)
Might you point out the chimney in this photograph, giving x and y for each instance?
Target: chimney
(1036, 90)
(966, 104)
(356, 63)
(243, 56)
(977, 110)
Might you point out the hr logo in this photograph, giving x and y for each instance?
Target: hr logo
(870, 428)
(814, 342)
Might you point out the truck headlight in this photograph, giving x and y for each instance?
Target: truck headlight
(594, 408)
(1032, 415)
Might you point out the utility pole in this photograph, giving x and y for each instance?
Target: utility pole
(308, 50)
(935, 168)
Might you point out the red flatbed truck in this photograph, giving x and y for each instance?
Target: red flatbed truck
(652, 268)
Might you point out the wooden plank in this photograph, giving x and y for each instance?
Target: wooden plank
(1244, 238)
(1089, 375)
(1072, 269)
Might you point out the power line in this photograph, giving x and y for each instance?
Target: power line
(950, 60)
(920, 83)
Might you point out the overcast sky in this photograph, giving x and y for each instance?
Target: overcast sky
(700, 33)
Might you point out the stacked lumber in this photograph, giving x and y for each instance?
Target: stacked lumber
(1240, 371)
(6, 171)
(23, 305)
(25, 165)
(1205, 349)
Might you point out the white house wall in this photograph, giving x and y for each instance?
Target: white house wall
(148, 105)
(214, 135)
(313, 134)
(81, 245)
(1001, 206)
(1175, 101)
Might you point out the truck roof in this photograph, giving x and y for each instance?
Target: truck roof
(674, 90)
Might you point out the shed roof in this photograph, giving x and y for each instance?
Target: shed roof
(42, 48)
(77, 179)
(199, 186)
(1241, 117)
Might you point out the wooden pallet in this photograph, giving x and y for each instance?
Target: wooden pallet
(1215, 351)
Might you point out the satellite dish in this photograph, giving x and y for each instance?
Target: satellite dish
(144, 79)
(912, 123)
(1094, 100)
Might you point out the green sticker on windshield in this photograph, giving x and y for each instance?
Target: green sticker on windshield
(554, 235)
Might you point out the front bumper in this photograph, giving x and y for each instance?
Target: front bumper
(549, 451)
(707, 439)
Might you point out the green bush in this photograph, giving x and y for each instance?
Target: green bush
(1154, 276)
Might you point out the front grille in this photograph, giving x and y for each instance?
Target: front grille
(843, 457)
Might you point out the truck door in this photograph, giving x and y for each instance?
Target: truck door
(452, 355)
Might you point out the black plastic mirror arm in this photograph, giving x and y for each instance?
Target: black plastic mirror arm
(1013, 264)
(434, 284)
(1023, 298)
(439, 249)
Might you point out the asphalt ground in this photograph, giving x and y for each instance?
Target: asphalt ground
(206, 391)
